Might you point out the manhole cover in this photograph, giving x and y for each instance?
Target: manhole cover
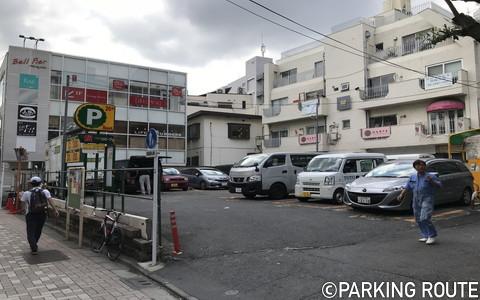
(43, 257)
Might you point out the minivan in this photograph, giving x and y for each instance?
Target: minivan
(327, 174)
(272, 174)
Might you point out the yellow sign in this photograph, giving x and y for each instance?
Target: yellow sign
(93, 147)
(96, 117)
(73, 144)
(72, 156)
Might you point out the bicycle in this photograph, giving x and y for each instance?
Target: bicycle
(109, 235)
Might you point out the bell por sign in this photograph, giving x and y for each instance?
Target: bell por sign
(95, 117)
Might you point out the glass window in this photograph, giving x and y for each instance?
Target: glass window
(301, 160)
(119, 71)
(139, 87)
(193, 131)
(53, 134)
(382, 121)
(136, 142)
(97, 82)
(138, 100)
(56, 63)
(55, 91)
(177, 144)
(161, 128)
(176, 130)
(138, 128)
(346, 124)
(366, 165)
(319, 66)
(55, 77)
(311, 129)
(239, 131)
(177, 79)
(435, 70)
(453, 67)
(350, 166)
(139, 74)
(76, 79)
(119, 99)
(120, 141)
(53, 122)
(74, 65)
(120, 126)
(117, 84)
(314, 95)
(97, 68)
(158, 77)
(158, 90)
(275, 161)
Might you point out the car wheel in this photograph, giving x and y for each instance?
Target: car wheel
(303, 199)
(277, 191)
(338, 196)
(466, 197)
(203, 185)
(249, 196)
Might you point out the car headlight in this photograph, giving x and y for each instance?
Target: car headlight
(329, 180)
(393, 188)
(254, 178)
(347, 186)
(298, 181)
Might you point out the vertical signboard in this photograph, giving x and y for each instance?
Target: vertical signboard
(75, 187)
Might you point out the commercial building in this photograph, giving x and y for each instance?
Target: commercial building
(380, 84)
(33, 89)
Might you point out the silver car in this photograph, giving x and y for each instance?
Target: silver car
(381, 186)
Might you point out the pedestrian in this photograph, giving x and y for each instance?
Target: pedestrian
(423, 185)
(144, 181)
(35, 204)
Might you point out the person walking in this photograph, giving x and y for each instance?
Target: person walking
(35, 204)
(422, 185)
(144, 181)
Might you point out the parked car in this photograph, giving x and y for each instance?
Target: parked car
(327, 174)
(204, 178)
(381, 186)
(172, 179)
(409, 156)
(271, 174)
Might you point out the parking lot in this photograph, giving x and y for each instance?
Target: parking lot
(286, 249)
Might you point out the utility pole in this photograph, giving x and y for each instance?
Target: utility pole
(316, 122)
(64, 138)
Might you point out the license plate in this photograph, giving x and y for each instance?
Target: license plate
(305, 194)
(224, 184)
(174, 185)
(363, 200)
(238, 190)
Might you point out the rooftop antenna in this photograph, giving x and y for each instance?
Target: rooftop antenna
(263, 48)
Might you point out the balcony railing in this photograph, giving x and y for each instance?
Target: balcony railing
(408, 47)
(272, 142)
(272, 111)
(300, 77)
(374, 92)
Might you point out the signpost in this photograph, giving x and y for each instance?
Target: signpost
(151, 141)
(75, 199)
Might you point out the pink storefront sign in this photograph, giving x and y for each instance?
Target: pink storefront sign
(375, 133)
(307, 139)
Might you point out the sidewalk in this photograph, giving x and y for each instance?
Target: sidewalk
(63, 271)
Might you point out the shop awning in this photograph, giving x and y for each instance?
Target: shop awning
(445, 105)
(458, 138)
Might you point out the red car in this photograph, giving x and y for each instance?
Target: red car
(171, 179)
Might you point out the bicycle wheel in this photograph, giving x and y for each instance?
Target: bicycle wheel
(114, 244)
(97, 241)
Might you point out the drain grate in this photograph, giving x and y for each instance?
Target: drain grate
(43, 257)
(138, 282)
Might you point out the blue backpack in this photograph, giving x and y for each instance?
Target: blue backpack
(38, 201)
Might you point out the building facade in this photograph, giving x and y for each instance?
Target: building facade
(33, 89)
(380, 86)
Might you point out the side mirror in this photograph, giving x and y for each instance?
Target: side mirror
(256, 167)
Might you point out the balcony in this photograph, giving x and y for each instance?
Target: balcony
(294, 111)
(407, 91)
(269, 142)
(292, 143)
(409, 47)
(300, 77)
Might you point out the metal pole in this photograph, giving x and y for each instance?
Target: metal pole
(155, 207)
(64, 138)
(316, 123)
(1, 184)
(159, 200)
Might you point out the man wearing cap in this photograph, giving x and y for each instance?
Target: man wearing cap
(35, 221)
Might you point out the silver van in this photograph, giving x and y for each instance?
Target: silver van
(326, 175)
(272, 174)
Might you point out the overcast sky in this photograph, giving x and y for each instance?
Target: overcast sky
(208, 39)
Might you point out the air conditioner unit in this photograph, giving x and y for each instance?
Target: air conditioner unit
(345, 86)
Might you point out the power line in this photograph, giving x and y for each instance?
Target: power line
(378, 59)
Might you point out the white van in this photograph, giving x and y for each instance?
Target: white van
(272, 174)
(327, 174)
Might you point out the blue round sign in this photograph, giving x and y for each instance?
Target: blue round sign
(151, 139)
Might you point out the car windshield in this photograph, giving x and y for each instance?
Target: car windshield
(393, 169)
(170, 171)
(324, 164)
(251, 160)
(211, 172)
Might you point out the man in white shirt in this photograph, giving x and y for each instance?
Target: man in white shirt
(36, 211)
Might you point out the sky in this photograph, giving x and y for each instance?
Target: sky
(210, 40)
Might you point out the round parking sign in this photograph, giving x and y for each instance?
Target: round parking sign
(151, 139)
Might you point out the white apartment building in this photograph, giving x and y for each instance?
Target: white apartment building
(405, 96)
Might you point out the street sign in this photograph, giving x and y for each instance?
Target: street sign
(95, 138)
(151, 139)
(96, 117)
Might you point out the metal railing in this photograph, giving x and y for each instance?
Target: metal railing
(272, 111)
(272, 142)
(374, 92)
(408, 47)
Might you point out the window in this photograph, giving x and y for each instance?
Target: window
(441, 122)
(311, 129)
(346, 124)
(378, 86)
(350, 166)
(366, 165)
(275, 161)
(382, 121)
(176, 131)
(238, 131)
(277, 105)
(119, 99)
(379, 47)
(279, 133)
(446, 68)
(416, 42)
(193, 131)
(136, 142)
(289, 76)
(301, 160)
(56, 77)
(319, 69)
(138, 128)
(176, 144)
(139, 87)
(120, 141)
(120, 126)
(224, 105)
(313, 95)
(54, 122)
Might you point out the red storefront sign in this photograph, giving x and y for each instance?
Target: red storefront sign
(177, 91)
(158, 102)
(74, 94)
(119, 85)
(139, 100)
(96, 96)
(307, 139)
(375, 133)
